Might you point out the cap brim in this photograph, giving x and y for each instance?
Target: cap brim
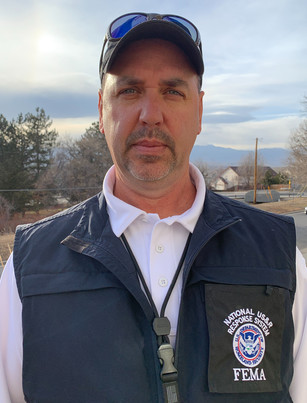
(156, 29)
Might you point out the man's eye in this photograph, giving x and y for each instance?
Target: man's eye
(128, 91)
(174, 92)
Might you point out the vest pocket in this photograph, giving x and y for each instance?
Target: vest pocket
(40, 284)
(247, 327)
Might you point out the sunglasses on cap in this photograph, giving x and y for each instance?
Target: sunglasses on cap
(122, 25)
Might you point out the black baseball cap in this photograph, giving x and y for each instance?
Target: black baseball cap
(135, 26)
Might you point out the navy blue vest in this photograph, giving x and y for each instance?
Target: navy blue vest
(87, 325)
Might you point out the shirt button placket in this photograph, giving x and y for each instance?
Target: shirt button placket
(163, 282)
(159, 264)
(159, 248)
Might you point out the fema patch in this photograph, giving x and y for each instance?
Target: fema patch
(246, 325)
(249, 345)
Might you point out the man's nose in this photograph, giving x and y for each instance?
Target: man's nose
(151, 113)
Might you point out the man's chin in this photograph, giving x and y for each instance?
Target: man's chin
(151, 172)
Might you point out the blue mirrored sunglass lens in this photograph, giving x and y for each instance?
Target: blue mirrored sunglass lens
(120, 27)
(183, 24)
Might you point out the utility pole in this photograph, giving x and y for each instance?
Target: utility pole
(255, 173)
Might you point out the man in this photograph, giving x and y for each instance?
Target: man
(154, 290)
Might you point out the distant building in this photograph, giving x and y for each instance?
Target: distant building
(219, 184)
(238, 178)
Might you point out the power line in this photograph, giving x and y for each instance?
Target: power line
(49, 190)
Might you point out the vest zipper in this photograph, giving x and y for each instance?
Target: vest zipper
(184, 284)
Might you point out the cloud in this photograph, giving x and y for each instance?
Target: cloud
(56, 104)
(228, 113)
(226, 117)
(73, 128)
(255, 62)
(271, 133)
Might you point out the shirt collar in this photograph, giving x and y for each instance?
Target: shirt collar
(122, 214)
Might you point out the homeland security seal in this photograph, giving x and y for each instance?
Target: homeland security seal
(249, 345)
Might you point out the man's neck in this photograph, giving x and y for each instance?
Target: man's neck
(153, 198)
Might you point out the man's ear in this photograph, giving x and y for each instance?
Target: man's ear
(100, 107)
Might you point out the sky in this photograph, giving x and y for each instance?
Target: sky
(255, 54)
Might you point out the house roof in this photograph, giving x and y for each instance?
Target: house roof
(220, 178)
(238, 169)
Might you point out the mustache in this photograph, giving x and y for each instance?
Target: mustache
(154, 133)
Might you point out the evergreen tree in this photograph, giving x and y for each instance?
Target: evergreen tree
(41, 140)
(13, 158)
(26, 146)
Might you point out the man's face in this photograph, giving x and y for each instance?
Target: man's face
(150, 110)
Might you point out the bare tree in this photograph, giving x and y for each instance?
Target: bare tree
(247, 170)
(5, 213)
(203, 167)
(79, 166)
(298, 150)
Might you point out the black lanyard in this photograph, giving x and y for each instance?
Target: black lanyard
(162, 328)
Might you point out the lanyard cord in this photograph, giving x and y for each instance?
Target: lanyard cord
(170, 290)
(162, 328)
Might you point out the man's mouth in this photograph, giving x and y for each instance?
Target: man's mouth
(149, 146)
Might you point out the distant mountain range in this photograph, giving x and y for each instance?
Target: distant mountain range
(212, 155)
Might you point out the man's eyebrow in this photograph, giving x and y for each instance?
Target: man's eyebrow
(174, 82)
(128, 80)
(170, 82)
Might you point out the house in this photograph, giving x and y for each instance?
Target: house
(239, 177)
(219, 184)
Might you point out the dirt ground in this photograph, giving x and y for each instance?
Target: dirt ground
(282, 207)
(285, 206)
(6, 246)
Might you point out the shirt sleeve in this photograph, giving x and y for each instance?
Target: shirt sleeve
(10, 338)
(298, 388)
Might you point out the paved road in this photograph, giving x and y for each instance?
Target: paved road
(300, 219)
(284, 195)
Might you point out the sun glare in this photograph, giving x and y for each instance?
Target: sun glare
(47, 44)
